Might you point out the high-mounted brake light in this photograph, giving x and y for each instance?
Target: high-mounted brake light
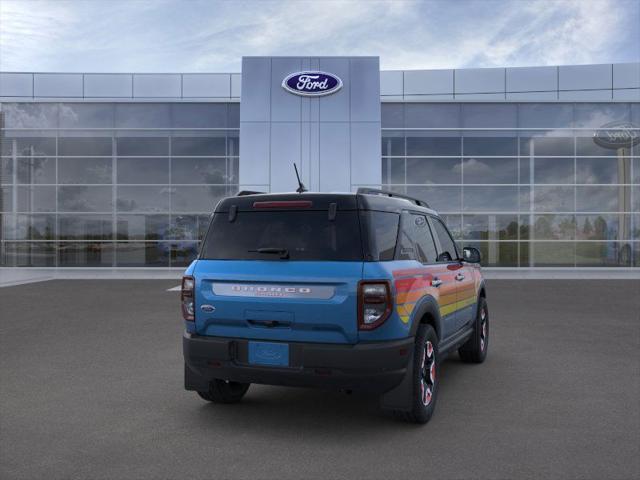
(187, 298)
(284, 204)
(374, 303)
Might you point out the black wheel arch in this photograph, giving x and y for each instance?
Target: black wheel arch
(427, 312)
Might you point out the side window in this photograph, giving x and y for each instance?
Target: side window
(416, 242)
(381, 229)
(447, 250)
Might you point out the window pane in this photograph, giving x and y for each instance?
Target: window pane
(28, 227)
(188, 227)
(636, 170)
(392, 115)
(552, 254)
(442, 199)
(79, 146)
(603, 254)
(143, 199)
(36, 199)
(143, 254)
(428, 115)
(143, 227)
(86, 115)
(490, 146)
(30, 115)
(433, 146)
(28, 254)
(143, 170)
(142, 146)
(29, 146)
(198, 146)
(447, 245)
(199, 170)
(485, 115)
(183, 253)
(598, 114)
(554, 227)
(36, 170)
(196, 199)
(84, 170)
(6, 170)
(143, 115)
(199, 115)
(545, 115)
(382, 233)
(490, 227)
(496, 254)
(392, 145)
(498, 199)
(601, 199)
(490, 170)
(586, 146)
(546, 146)
(454, 224)
(604, 227)
(602, 170)
(553, 170)
(85, 227)
(84, 199)
(434, 170)
(6, 199)
(87, 254)
(553, 199)
(393, 170)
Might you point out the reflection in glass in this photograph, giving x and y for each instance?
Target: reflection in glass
(29, 146)
(603, 170)
(28, 227)
(36, 199)
(554, 227)
(143, 170)
(587, 146)
(85, 254)
(489, 115)
(197, 199)
(442, 199)
(200, 146)
(86, 115)
(85, 146)
(497, 199)
(553, 170)
(598, 114)
(433, 146)
(392, 145)
(603, 198)
(422, 115)
(496, 254)
(85, 227)
(490, 227)
(545, 115)
(84, 170)
(199, 115)
(199, 170)
(393, 170)
(143, 227)
(142, 146)
(183, 253)
(490, 146)
(392, 116)
(28, 254)
(30, 115)
(84, 199)
(139, 254)
(433, 170)
(36, 170)
(543, 146)
(490, 170)
(143, 115)
(603, 254)
(143, 199)
(603, 226)
(454, 224)
(552, 254)
(553, 199)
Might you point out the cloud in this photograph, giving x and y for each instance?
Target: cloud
(168, 35)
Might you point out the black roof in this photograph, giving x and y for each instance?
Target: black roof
(364, 199)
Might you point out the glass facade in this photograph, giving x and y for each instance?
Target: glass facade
(112, 184)
(524, 183)
(119, 184)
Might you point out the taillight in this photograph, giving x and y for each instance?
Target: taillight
(187, 298)
(374, 303)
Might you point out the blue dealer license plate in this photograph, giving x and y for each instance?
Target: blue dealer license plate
(267, 353)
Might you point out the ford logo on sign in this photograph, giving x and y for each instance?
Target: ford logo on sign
(312, 84)
(617, 135)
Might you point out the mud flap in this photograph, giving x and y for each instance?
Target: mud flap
(194, 381)
(401, 397)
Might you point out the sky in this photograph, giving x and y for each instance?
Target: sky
(212, 36)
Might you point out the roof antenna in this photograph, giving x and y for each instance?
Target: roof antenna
(301, 188)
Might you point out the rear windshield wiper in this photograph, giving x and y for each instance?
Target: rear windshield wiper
(283, 252)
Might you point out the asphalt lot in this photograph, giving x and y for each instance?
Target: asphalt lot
(91, 388)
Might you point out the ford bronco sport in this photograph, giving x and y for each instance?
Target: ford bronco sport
(364, 291)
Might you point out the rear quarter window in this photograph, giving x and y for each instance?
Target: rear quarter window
(381, 230)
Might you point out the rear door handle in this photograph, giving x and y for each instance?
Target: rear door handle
(459, 277)
(436, 282)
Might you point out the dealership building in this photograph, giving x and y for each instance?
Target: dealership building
(536, 166)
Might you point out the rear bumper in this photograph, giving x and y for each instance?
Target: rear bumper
(372, 367)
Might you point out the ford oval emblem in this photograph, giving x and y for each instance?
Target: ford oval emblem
(617, 135)
(312, 83)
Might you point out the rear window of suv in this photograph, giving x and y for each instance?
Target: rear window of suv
(304, 235)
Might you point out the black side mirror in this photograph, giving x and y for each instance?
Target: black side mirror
(471, 255)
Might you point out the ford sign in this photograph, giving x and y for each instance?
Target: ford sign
(617, 135)
(312, 83)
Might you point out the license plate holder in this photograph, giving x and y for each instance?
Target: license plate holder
(269, 353)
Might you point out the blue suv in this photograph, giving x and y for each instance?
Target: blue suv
(355, 291)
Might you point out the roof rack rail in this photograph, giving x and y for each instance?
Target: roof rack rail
(375, 191)
(242, 193)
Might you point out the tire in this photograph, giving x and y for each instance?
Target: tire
(221, 391)
(425, 378)
(475, 349)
